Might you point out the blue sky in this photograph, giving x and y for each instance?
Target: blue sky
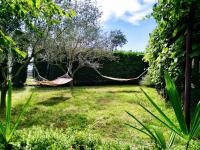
(128, 16)
(137, 35)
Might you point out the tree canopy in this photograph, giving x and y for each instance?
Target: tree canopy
(118, 39)
(17, 18)
(80, 41)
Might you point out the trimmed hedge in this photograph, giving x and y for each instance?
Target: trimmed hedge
(20, 79)
(128, 65)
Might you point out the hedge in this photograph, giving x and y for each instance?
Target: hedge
(128, 65)
(20, 79)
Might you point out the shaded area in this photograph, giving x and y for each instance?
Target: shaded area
(124, 91)
(54, 101)
(55, 117)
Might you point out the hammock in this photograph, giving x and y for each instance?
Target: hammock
(64, 79)
(59, 81)
(120, 79)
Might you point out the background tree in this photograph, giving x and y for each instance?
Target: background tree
(78, 42)
(118, 39)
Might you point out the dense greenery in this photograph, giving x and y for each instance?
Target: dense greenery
(167, 43)
(127, 65)
(19, 79)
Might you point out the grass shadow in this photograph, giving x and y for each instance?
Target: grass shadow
(36, 116)
(124, 91)
(54, 101)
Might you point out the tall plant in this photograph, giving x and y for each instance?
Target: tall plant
(6, 131)
(187, 133)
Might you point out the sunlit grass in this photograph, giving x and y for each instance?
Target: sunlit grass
(95, 109)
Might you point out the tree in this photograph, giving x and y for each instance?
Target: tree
(173, 45)
(118, 39)
(15, 16)
(78, 42)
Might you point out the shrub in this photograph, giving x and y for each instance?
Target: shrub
(146, 81)
(38, 137)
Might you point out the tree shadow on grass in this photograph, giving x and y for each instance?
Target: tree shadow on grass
(58, 119)
(124, 91)
(54, 101)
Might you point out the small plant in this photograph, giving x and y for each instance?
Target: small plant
(181, 129)
(146, 81)
(6, 131)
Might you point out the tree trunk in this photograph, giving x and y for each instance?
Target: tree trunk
(3, 86)
(72, 85)
(187, 94)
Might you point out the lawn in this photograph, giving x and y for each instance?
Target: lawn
(92, 111)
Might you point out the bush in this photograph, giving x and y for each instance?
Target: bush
(146, 81)
(37, 138)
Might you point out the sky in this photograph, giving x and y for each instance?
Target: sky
(128, 16)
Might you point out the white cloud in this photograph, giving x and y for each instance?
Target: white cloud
(132, 11)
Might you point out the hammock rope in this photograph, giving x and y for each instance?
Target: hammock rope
(120, 79)
(40, 78)
(64, 79)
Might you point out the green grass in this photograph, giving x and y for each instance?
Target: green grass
(98, 110)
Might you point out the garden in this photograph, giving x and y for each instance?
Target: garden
(64, 85)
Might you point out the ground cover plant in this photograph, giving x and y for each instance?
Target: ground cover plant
(93, 119)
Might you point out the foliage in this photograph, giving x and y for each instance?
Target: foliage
(118, 39)
(147, 81)
(181, 129)
(17, 19)
(165, 50)
(23, 12)
(20, 79)
(6, 132)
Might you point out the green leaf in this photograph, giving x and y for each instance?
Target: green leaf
(72, 12)
(176, 102)
(171, 140)
(195, 126)
(21, 53)
(145, 127)
(30, 2)
(36, 3)
(141, 130)
(19, 117)
(170, 123)
(173, 128)
(160, 138)
(2, 130)
(8, 109)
